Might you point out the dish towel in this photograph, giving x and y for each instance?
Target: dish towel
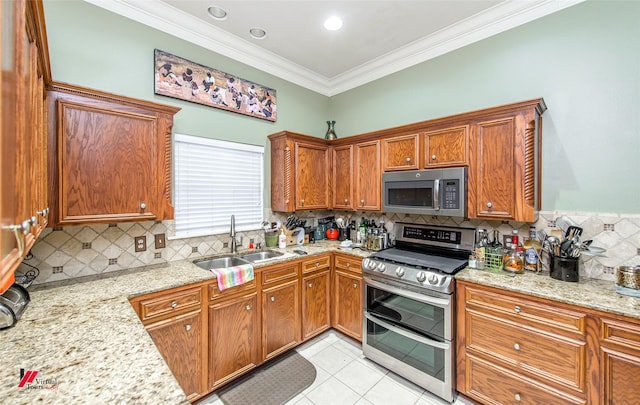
(233, 276)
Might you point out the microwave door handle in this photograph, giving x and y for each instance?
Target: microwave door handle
(407, 334)
(436, 194)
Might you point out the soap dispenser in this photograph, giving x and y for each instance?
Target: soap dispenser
(282, 239)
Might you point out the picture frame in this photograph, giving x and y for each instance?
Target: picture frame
(183, 79)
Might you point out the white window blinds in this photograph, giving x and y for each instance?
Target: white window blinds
(214, 180)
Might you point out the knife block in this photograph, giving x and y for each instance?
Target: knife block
(294, 236)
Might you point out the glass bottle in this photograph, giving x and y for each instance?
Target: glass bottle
(513, 260)
(532, 248)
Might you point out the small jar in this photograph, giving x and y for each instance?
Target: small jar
(473, 261)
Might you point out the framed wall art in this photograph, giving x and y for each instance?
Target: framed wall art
(185, 80)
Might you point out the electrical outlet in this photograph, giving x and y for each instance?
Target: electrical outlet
(160, 241)
(141, 243)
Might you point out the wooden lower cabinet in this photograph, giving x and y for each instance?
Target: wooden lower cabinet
(316, 301)
(280, 318)
(347, 296)
(180, 341)
(619, 361)
(514, 349)
(233, 338)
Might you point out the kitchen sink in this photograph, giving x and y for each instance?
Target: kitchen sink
(254, 257)
(220, 262)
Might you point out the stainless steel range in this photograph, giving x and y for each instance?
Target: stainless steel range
(409, 304)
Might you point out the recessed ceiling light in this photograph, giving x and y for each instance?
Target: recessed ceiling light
(333, 23)
(218, 13)
(257, 33)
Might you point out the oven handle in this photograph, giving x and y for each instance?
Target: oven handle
(436, 194)
(412, 336)
(442, 303)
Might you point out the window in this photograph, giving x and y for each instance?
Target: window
(214, 180)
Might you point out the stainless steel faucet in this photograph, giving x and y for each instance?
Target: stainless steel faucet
(232, 233)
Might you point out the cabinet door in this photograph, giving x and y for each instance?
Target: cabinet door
(108, 164)
(368, 176)
(620, 362)
(316, 315)
(447, 147)
(347, 304)
(400, 153)
(179, 340)
(495, 169)
(233, 339)
(312, 176)
(342, 177)
(280, 319)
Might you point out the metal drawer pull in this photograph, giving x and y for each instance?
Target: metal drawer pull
(516, 346)
(408, 159)
(433, 157)
(347, 265)
(517, 308)
(143, 206)
(248, 307)
(174, 304)
(355, 285)
(346, 201)
(188, 328)
(517, 397)
(489, 204)
(310, 285)
(273, 299)
(317, 264)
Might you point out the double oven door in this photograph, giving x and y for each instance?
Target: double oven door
(410, 333)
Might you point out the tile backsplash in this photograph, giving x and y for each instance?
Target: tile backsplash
(76, 251)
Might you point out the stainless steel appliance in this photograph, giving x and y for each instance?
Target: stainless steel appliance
(426, 192)
(13, 302)
(408, 324)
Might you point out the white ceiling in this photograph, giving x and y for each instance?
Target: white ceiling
(378, 37)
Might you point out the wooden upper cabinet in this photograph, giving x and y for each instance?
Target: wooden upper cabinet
(300, 172)
(342, 177)
(368, 175)
(111, 157)
(23, 195)
(446, 147)
(400, 153)
(504, 174)
(312, 176)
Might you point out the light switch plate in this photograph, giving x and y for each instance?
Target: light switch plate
(141, 243)
(160, 241)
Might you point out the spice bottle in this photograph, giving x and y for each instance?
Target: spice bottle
(532, 248)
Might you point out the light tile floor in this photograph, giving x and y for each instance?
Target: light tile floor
(345, 377)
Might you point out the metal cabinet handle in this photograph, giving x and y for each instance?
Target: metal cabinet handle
(408, 159)
(489, 204)
(188, 328)
(355, 285)
(174, 304)
(517, 397)
(310, 285)
(248, 307)
(346, 201)
(433, 157)
(361, 202)
(516, 346)
(302, 201)
(517, 308)
(347, 265)
(317, 264)
(143, 206)
(273, 299)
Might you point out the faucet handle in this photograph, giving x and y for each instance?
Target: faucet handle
(258, 245)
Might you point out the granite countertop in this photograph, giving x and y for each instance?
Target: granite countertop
(588, 292)
(88, 344)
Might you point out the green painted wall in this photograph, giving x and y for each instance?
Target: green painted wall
(584, 61)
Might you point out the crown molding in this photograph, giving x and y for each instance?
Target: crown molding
(500, 18)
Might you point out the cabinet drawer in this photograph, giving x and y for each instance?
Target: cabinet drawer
(553, 357)
(352, 264)
(170, 303)
(316, 263)
(216, 294)
(280, 273)
(551, 318)
(621, 333)
(492, 384)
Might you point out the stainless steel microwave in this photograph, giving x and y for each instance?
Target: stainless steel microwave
(426, 192)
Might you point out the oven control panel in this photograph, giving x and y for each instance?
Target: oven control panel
(418, 277)
(438, 236)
